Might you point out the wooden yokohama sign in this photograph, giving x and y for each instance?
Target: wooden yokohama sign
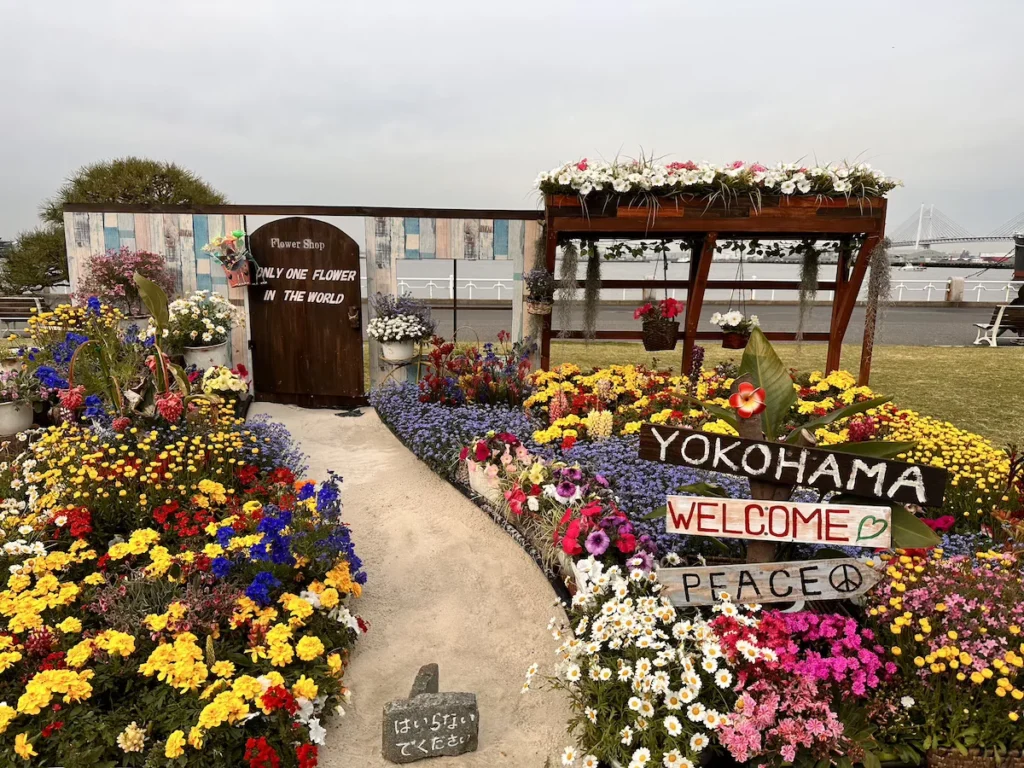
(305, 308)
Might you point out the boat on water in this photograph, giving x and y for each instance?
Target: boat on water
(912, 268)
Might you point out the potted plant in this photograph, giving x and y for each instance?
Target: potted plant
(736, 328)
(201, 325)
(108, 276)
(18, 390)
(661, 331)
(540, 291)
(229, 384)
(399, 323)
(230, 252)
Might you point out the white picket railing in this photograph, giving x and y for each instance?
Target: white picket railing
(902, 290)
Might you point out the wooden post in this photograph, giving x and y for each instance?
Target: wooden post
(700, 268)
(835, 347)
(842, 308)
(550, 249)
(868, 348)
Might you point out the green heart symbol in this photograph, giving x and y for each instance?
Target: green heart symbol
(871, 520)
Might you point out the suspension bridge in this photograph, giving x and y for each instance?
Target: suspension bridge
(930, 226)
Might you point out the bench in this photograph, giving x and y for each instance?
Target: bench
(1004, 318)
(18, 309)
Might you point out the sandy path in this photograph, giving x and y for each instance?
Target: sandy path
(445, 585)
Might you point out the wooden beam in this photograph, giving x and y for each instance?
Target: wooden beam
(842, 278)
(699, 335)
(313, 210)
(700, 268)
(779, 285)
(845, 302)
(821, 227)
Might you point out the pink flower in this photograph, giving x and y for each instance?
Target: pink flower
(735, 165)
(72, 398)
(582, 165)
(170, 406)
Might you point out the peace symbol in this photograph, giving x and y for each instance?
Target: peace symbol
(845, 578)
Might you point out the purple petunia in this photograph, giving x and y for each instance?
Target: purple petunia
(597, 543)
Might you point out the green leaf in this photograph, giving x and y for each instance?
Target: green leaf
(704, 489)
(908, 532)
(828, 553)
(729, 417)
(841, 413)
(154, 298)
(658, 513)
(179, 376)
(870, 760)
(767, 371)
(872, 449)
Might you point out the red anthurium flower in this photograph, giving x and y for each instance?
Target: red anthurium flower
(749, 401)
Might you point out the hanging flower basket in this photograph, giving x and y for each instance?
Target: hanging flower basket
(975, 758)
(239, 274)
(734, 340)
(538, 307)
(660, 335)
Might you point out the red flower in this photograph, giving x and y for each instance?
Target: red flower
(626, 542)
(515, 499)
(277, 697)
(671, 308)
(464, 453)
(643, 311)
(121, 424)
(582, 165)
(571, 546)
(259, 754)
(568, 442)
(482, 452)
(170, 406)
(72, 398)
(307, 755)
(593, 509)
(940, 524)
(749, 401)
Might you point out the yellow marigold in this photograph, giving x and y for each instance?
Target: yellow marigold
(309, 648)
(335, 664)
(223, 669)
(248, 687)
(23, 748)
(7, 714)
(175, 745)
(70, 626)
(305, 688)
(195, 737)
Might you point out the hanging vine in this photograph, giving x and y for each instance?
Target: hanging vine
(567, 289)
(591, 292)
(809, 268)
(879, 278)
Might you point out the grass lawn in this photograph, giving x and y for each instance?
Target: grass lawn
(973, 388)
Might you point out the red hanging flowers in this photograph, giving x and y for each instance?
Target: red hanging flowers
(72, 398)
(748, 401)
(170, 406)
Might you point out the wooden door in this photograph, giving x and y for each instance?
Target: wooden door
(306, 349)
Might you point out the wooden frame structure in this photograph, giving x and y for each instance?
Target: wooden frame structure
(705, 222)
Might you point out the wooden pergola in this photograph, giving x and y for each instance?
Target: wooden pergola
(706, 222)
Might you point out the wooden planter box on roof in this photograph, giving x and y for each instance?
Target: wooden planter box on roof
(684, 214)
(706, 221)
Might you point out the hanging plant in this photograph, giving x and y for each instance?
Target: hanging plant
(567, 289)
(591, 292)
(879, 278)
(809, 268)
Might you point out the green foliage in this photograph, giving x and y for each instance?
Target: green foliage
(37, 261)
(155, 299)
(872, 449)
(767, 371)
(131, 181)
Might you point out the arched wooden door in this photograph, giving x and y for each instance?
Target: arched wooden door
(305, 310)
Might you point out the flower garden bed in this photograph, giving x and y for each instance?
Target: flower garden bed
(928, 661)
(177, 593)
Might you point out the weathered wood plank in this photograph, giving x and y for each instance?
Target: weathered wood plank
(186, 253)
(428, 244)
(485, 240)
(836, 579)
(469, 248)
(442, 238)
(787, 464)
(780, 521)
(126, 230)
(142, 231)
(97, 235)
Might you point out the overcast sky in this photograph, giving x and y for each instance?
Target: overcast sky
(461, 104)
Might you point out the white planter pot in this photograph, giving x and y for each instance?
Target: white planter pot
(398, 351)
(15, 417)
(11, 364)
(207, 357)
(485, 486)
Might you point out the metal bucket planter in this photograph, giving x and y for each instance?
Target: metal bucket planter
(398, 351)
(660, 335)
(207, 357)
(15, 417)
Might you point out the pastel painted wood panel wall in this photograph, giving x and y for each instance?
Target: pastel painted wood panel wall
(177, 237)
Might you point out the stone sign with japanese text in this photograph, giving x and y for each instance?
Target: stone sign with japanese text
(428, 723)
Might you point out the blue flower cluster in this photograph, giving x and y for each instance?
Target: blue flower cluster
(65, 350)
(50, 378)
(94, 409)
(339, 539)
(259, 589)
(275, 546)
(436, 433)
(278, 447)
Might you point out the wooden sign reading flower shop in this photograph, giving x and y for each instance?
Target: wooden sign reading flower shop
(853, 476)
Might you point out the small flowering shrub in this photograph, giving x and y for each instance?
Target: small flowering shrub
(399, 318)
(487, 375)
(654, 311)
(110, 277)
(174, 596)
(735, 321)
(226, 382)
(954, 627)
(203, 319)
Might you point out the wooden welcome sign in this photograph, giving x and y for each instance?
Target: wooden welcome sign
(781, 521)
(835, 579)
(785, 464)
